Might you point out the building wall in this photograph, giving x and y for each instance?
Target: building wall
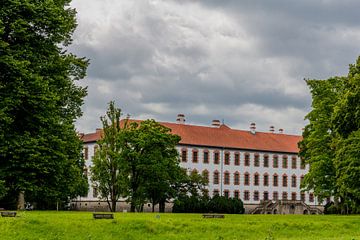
(231, 168)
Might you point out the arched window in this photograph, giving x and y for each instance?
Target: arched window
(216, 192)
(302, 196)
(246, 195)
(293, 196)
(285, 161)
(236, 178)
(275, 196)
(246, 179)
(236, 194)
(216, 177)
(226, 193)
(284, 196)
(275, 161)
(256, 179)
(302, 163)
(275, 180)
(284, 180)
(247, 159)
(256, 160)
(266, 179)
(216, 157)
(256, 195)
(293, 180)
(206, 156)
(184, 155)
(266, 160)
(293, 162)
(266, 196)
(236, 159)
(195, 156)
(226, 178)
(311, 197)
(227, 158)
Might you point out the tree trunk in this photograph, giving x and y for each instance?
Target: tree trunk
(162, 206)
(153, 207)
(21, 201)
(113, 205)
(132, 207)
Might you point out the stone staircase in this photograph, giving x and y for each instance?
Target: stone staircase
(285, 207)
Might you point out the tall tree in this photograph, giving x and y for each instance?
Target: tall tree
(109, 172)
(331, 139)
(152, 161)
(40, 152)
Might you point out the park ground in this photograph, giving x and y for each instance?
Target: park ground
(81, 225)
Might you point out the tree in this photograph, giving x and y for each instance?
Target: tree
(331, 139)
(2, 189)
(109, 172)
(40, 151)
(152, 162)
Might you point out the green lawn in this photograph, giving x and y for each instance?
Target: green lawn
(81, 225)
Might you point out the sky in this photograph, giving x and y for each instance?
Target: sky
(233, 60)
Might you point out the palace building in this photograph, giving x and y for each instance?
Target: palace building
(254, 166)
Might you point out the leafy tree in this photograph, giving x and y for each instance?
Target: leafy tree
(2, 189)
(109, 172)
(40, 152)
(152, 162)
(331, 140)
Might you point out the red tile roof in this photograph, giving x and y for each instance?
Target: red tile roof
(226, 137)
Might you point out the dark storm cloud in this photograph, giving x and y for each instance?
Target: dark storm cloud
(241, 61)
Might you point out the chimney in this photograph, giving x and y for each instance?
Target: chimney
(215, 123)
(281, 130)
(272, 129)
(180, 118)
(253, 128)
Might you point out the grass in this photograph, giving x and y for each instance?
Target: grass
(81, 225)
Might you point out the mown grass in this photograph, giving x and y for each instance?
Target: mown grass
(81, 225)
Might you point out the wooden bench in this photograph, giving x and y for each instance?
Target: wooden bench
(103, 215)
(213, 216)
(8, 214)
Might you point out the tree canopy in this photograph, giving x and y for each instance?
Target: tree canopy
(332, 138)
(40, 152)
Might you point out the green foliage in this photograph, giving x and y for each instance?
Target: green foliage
(2, 189)
(40, 152)
(203, 204)
(331, 140)
(109, 172)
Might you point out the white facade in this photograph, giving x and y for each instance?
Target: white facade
(229, 167)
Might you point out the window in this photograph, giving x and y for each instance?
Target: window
(86, 153)
(275, 161)
(184, 155)
(256, 179)
(266, 196)
(195, 156)
(311, 197)
(236, 194)
(246, 195)
(293, 181)
(301, 179)
(226, 193)
(284, 196)
(227, 158)
(194, 172)
(226, 178)
(256, 160)
(206, 156)
(256, 195)
(275, 180)
(285, 161)
(216, 192)
(293, 196)
(266, 160)
(205, 174)
(216, 177)
(284, 181)
(293, 162)
(216, 158)
(266, 179)
(302, 196)
(95, 149)
(236, 178)
(205, 192)
(247, 159)
(275, 196)
(85, 171)
(246, 179)
(237, 159)
(302, 163)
